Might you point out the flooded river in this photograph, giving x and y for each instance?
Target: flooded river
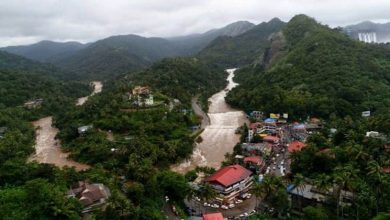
(97, 88)
(48, 148)
(219, 136)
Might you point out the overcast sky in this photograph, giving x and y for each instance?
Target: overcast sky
(29, 21)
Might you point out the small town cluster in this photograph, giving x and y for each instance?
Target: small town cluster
(268, 144)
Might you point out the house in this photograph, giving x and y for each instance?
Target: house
(91, 196)
(37, 103)
(229, 182)
(257, 148)
(213, 216)
(258, 115)
(255, 163)
(2, 131)
(141, 90)
(295, 146)
(328, 152)
(309, 195)
(143, 96)
(83, 129)
(271, 139)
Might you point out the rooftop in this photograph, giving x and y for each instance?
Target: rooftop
(295, 146)
(254, 159)
(229, 175)
(213, 216)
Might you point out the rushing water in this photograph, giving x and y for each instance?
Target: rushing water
(47, 148)
(219, 137)
(97, 88)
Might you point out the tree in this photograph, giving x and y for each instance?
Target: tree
(299, 183)
(315, 213)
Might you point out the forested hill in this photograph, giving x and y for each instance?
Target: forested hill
(46, 51)
(23, 80)
(192, 44)
(243, 49)
(145, 139)
(322, 72)
(181, 78)
(13, 62)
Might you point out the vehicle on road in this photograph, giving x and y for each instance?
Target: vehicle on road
(238, 201)
(231, 206)
(216, 206)
(224, 207)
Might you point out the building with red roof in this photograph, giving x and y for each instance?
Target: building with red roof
(295, 146)
(213, 216)
(230, 181)
(255, 163)
(271, 139)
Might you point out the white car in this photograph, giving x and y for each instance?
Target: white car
(224, 207)
(277, 155)
(166, 199)
(197, 198)
(238, 201)
(274, 168)
(206, 204)
(282, 163)
(231, 206)
(215, 206)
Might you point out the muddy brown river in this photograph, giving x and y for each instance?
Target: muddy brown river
(48, 148)
(219, 136)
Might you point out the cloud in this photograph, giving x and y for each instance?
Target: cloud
(28, 21)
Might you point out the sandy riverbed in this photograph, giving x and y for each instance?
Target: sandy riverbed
(97, 88)
(219, 136)
(47, 148)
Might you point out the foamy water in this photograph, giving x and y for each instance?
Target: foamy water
(219, 137)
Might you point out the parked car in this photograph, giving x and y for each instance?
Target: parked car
(231, 206)
(224, 207)
(216, 206)
(238, 201)
(166, 199)
(206, 204)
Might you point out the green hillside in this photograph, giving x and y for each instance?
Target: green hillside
(322, 73)
(242, 49)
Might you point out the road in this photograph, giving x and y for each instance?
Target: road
(199, 112)
(247, 206)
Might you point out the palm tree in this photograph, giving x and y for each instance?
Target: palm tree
(258, 191)
(322, 182)
(376, 175)
(344, 179)
(207, 192)
(299, 183)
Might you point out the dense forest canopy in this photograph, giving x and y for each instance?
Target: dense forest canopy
(323, 73)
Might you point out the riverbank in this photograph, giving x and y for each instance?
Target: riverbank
(218, 137)
(199, 112)
(48, 148)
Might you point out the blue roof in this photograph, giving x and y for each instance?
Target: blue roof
(270, 120)
(290, 187)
